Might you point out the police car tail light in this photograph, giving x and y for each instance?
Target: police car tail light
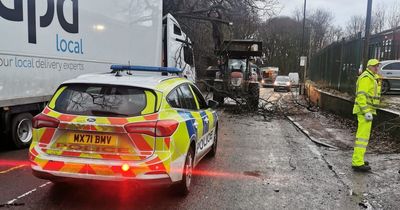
(43, 121)
(161, 128)
(148, 128)
(166, 127)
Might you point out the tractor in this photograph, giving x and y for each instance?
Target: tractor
(238, 76)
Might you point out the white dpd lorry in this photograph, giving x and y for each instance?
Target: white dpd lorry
(44, 43)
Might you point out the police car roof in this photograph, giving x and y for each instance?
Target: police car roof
(136, 79)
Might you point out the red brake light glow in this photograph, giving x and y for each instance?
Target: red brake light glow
(44, 121)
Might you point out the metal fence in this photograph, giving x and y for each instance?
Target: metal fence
(338, 65)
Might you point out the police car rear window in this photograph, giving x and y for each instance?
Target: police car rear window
(103, 100)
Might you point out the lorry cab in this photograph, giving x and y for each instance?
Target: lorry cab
(177, 48)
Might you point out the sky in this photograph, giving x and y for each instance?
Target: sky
(342, 10)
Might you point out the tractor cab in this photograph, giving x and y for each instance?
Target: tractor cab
(238, 75)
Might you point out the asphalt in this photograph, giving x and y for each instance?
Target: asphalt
(259, 165)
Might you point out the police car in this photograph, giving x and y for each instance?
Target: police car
(125, 125)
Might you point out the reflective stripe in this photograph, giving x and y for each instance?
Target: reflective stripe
(363, 108)
(362, 92)
(374, 106)
(367, 95)
(362, 140)
(369, 105)
(361, 146)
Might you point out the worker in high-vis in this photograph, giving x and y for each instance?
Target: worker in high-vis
(367, 100)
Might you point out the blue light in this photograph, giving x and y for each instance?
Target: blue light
(146, 68)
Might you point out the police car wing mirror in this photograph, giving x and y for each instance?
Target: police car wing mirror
(212, 104)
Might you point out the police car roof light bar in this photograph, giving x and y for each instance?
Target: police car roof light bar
(171, 70)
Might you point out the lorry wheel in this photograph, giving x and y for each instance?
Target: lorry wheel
(183, 187)
(254, 96)
(21, 130)
(385, 86)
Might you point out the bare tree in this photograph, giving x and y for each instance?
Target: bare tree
(378, 19)
(335, 34)
(355, 25)
(394, 16)
(321, 21)
(298, 14)
(281, 37)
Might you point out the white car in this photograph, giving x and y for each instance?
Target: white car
(390, 71)
(282, 83)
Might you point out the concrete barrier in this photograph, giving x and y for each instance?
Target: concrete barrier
(343, 107)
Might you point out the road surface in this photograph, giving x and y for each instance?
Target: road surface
(259, 165)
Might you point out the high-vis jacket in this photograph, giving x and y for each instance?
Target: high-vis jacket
(368, 93)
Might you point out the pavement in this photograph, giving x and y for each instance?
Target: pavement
(375, 190)
(259, 165)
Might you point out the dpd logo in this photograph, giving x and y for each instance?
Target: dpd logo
(16, 14)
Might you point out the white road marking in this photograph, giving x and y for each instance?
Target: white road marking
(45, 184)
(27, 193)
(11, 201)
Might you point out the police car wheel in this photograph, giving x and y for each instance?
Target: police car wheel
(21, 130)
(183, 187)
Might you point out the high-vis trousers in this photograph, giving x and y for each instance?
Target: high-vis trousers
(362, 138)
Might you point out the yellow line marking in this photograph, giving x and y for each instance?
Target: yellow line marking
(12, 169)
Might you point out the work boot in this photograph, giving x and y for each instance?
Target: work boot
(363, 168)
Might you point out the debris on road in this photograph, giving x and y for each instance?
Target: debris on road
(11, 205)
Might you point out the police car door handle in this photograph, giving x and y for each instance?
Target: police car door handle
(389, 73)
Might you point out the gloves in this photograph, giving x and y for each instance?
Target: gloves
(368, 116)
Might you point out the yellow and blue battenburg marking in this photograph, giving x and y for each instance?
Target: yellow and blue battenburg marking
(190, 121)
(56, 150)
